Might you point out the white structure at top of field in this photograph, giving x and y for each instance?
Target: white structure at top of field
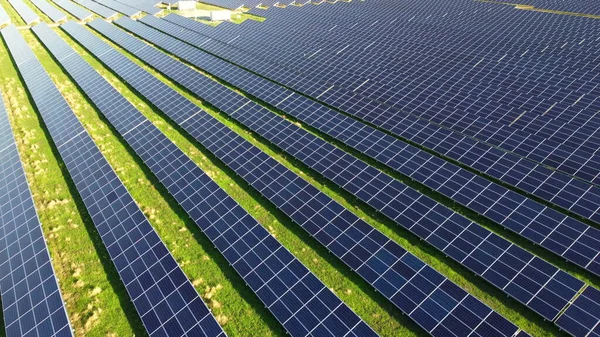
(186, 5)
(220, 15)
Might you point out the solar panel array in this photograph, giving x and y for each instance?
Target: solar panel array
(504, 125)
(165, 299)
(26, 13)
(421, 215)
(292, 293)
(52, 12)
(378, 260)
(266, 123)
(558, 233)
(31, 300)
(563, 191)
(73, 9)
(576, 195)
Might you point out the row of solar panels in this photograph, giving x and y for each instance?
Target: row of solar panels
(31, 300)
(337, 171)
(482, 320)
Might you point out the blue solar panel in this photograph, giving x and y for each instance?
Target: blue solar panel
(52, 12)
(165, 299)
(26, 13)
(97, 8)
(4, 18)
(582, 318)
(73, 9)
(31, 299)
(120, 7)
(407, 282)
(292, 293)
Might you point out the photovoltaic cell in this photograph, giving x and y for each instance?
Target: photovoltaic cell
(409, 283)
(301, 303)
(165, 299)
(31, 300)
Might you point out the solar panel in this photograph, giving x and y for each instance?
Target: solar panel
(571, 194)
(119, 7)
(505, 265)
(31, 299)
(4, 18)
(26, 13)
(164, 298)
(73, 9)
(290, 291)
(52, 12)
(582, 318)
(146, 6)
(410, 284)
(558, 233)
(97, 8)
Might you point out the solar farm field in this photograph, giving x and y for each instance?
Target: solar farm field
(324, 168)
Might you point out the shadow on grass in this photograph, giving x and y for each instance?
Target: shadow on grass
(107, 264)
